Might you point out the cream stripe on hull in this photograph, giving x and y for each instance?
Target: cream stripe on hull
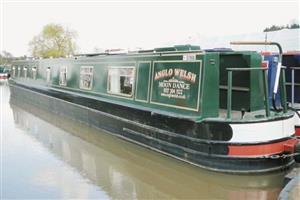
(263, 131)
(297, 120)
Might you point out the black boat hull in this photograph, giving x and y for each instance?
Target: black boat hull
(205, 153)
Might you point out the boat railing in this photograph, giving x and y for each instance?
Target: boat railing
(293, 69)
(278, 72)
(229, 86)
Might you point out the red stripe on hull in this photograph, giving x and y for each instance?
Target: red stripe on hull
(262, 149)
(297, 131)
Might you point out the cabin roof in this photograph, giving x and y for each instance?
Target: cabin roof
(121, 53)
(173, 49)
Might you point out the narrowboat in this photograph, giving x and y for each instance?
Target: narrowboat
(291, 62)
(209, 109)
(4, 74)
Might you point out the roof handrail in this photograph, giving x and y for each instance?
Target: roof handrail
(278, 71)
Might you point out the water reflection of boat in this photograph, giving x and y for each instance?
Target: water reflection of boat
(125, 171)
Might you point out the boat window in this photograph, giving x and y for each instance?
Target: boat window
(14, 71)
(19, 71)
(86, 77)
(48, 75)
(25, 72)
(121, 80)
(63, 76)
(34, 72)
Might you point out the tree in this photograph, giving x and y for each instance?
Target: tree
(6, 58)
(293, 25)
(274, 28)
(54, 41)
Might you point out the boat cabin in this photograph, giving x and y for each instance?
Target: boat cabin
(178, 81)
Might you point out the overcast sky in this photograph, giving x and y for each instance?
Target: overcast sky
(128, 24)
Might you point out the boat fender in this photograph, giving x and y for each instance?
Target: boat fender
(297, 152)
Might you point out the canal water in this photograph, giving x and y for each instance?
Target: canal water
(49, 156)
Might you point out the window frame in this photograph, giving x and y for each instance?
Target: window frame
(48, 75)
(34, 72)
(133, 83)
(19, 72)
(25, 72)
(86, 73)
(14, 72)
(60, 72)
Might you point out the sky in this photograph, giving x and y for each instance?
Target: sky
(130, 24)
